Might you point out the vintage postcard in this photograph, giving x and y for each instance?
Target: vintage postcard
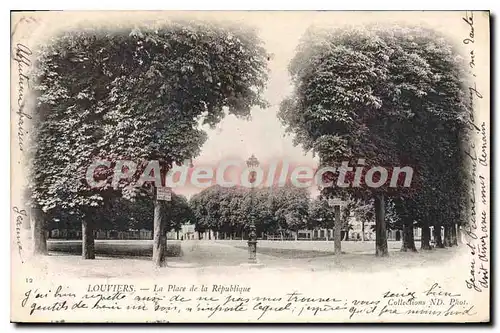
(248, 167)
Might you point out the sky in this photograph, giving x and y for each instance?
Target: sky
(264, 135)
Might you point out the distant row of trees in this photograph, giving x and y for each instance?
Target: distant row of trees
(280, 211)
(226, 212)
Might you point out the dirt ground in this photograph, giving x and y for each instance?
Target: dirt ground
(223, 255)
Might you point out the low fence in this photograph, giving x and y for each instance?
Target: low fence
(114, 248)
(303, 235)
(102, 234)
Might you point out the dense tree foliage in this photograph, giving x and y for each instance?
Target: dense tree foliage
(227, 211)
(138, 94)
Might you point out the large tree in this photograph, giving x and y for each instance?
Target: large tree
(357, 90)
(342, 105)
(185, 73)
(136, 94)
(72, 75)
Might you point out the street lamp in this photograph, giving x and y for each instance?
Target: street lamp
(252, 163)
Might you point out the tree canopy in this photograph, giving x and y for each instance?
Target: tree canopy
(137, 93)
(392, 96)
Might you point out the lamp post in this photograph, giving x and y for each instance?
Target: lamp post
(252, 163)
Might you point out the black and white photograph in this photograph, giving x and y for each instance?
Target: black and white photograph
(250, 167)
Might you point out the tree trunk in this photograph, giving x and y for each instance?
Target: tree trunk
(459, 234)
(425, 240)
(454, 238)
(337, 232)
(411, 235)
(159, 238)
(438, 240)
(362, 231)
(447, 235)
(38, 232)
(380, 227)
(88, 245)
(296, 235)
(408, 243)
(327, 236)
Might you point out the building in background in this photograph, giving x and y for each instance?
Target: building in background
(186, 232)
